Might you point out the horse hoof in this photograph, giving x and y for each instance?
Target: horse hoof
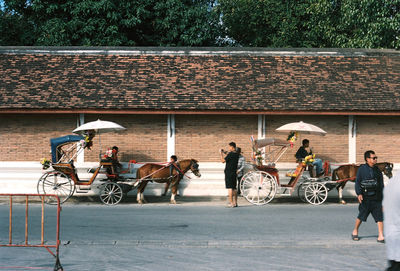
(140, 202)
(343, 202)
(173, 202)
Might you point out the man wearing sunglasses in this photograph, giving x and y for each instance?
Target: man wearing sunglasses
(369, 190)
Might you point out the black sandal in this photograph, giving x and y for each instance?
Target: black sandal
(355, 237)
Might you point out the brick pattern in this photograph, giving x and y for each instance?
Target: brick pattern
(144, 140)
(27, 137)
(202, 136)
(332, 147)
(207, 82)
(380, 134)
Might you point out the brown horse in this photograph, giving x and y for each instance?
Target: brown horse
(161, 174)
(346, 173)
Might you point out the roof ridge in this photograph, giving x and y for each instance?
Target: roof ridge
(195, 51)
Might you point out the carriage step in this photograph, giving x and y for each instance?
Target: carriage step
(82, 192)
(83, 189)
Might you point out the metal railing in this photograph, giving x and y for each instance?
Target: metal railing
(42, 243)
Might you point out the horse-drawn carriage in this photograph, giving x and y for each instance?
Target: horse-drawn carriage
(62, 179)
(261, 184)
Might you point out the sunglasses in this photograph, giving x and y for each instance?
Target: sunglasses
(375, 157)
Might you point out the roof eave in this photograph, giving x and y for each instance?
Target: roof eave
(197, 112)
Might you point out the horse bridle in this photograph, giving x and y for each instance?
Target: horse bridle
(389, 168)
(194, 167)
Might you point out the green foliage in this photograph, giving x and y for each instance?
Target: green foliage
(355, 24)
(255, 23)
(268, 23)
(313, 23)
(117, 22)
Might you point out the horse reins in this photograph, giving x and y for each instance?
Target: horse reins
(164, 167)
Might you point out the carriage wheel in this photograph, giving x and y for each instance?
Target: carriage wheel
(258, 187)
(316, 193)
(111, 193)
(57, 183)
(301, 192)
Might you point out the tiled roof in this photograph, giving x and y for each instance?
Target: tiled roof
(202, 79)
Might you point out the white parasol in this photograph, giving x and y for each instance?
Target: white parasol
(97, 126)
(301, 127)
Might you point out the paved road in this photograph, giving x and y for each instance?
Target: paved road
(198, 236)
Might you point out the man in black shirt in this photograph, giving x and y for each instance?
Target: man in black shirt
(231, 160)
(304, 151)
(369, 190)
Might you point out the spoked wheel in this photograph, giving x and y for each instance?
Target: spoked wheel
(111, 193)
(258, 187)
(56, 182)
(301, 190)
(316, 193)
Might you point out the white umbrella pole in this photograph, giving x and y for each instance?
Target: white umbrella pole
(100, 145)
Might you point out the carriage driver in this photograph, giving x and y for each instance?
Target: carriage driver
(304, 151)
(173, 164)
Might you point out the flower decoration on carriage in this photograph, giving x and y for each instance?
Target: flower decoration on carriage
(259, 157)
(45, 163)
(292, 137)
(87, 142)
(308, 160)
(108, 154)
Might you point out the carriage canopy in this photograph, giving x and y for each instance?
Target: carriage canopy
(269, 141)
(268, 150)
(58, 142)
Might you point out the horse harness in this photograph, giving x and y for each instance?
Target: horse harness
(176, 166)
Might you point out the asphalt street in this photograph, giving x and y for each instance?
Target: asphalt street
(195, 236)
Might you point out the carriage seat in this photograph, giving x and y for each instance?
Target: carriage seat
(110, 168)
(68, 169)
(295, 176)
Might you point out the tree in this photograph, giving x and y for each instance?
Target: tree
(254, 23)
(355, 24)
(15, 28)
(118, 22)
(267, 23)
(312, 23)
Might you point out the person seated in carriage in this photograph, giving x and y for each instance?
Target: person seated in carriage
(305, 151)
(112, 156)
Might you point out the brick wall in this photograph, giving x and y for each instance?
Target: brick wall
(333, 146)
(27, 137)
(143, 140)
(201, 136)
(380, 134)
